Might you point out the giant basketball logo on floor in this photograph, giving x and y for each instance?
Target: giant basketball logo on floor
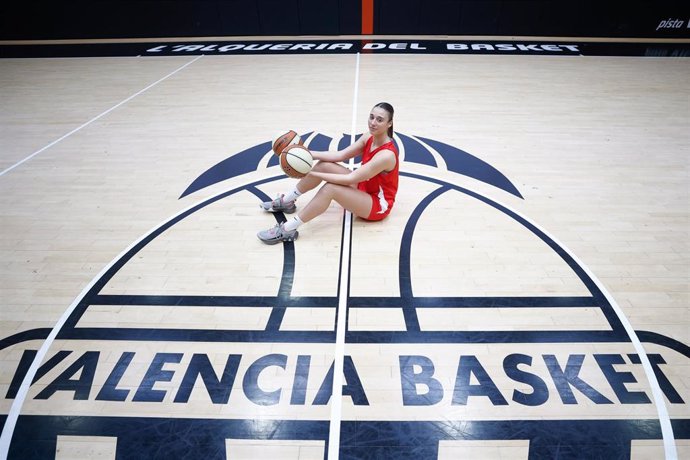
(152, 358)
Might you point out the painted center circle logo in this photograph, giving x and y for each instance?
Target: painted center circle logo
(450, 339)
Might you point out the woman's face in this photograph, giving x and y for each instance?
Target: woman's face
(379, 121)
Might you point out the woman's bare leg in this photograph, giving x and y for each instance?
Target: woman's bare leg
(310, 182)
(354, 200)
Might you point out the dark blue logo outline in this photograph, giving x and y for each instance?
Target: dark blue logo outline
(573, 438)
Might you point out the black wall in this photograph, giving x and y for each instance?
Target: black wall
(179, 18)
(581, 18)
(66, 19)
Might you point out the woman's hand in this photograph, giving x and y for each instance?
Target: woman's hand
(383, 161)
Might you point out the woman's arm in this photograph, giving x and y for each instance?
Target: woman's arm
(382, 161)
(348, 152)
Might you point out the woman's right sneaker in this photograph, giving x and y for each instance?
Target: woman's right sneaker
(277, 234)
(278, 205)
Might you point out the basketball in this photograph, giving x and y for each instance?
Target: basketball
(284, 140)
(296, 161)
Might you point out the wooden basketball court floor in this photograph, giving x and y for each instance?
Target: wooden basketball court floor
(527, 297)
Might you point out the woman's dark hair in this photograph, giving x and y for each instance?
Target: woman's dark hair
(388, 108)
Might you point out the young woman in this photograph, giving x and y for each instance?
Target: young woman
(367, 192)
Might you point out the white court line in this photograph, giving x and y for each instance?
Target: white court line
(97, 117)
(339, 359)
(670, 450)
(662, 411)
(10, 423)
(13, 415)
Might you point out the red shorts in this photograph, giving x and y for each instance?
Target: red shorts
(376, 212)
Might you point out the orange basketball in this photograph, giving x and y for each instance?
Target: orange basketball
(296, 161)
(282, 142)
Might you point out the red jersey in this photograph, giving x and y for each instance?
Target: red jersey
(383, 186)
